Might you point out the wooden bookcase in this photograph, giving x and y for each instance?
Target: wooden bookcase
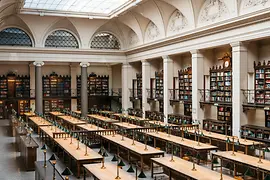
(217, 126)
(185, 84)
(187, 109)
(221, 84)
(3, 87)
(54, 104)
(22, 86)
(159, 84)
(224, 113)
(256, 133)
(179, 119)
(2, 109)
(56, 86)
(23, 107)
(267, 118)
(139, 84)
(97, 85)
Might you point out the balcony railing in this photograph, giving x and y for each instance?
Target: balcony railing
(208, 97)
(174, 94)
(249, 96)
(135, 93)
(154, 94)
(116, 92)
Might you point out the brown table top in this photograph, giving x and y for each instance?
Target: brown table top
(55, 113)
(162, 123)
(246, 159)
(127, 125)
(106, 112)
(79, 154)
(132, 117)
(185, 167)
(224, 137)
(109, 173)
(89, 127)
(49, 130)
(39, 121)
(29, 114)
(178, 140)
(78, 112)
(29, 143)
(127, 143)
(102, 118)
(72, 120)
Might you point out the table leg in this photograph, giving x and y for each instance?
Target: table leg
(246, 149)
(234, 170)
(78, 169)
(84, 174)
(142, 162)
(170, 175)
(155, 143)
(152, 169)
(181, 151)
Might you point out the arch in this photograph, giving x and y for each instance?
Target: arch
(14, 36)
(61, 39)
(248, 6)
(105, 40)
(152, 32)
(177, 23)
(133, 38)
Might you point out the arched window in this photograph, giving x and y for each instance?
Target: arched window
(14, 37)
(105, 41)
(61, 39)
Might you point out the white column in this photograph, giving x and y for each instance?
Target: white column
(167, 84)
(197, 83)
(38, 87)
(239, 81)
(84, 92)
(32, 85)
(73, 73)
(126, 84)
(109, 69)
(146, 75)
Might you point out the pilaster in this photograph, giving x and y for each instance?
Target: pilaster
(167, 84)
(146, 75)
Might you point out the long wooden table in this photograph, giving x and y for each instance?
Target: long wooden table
(125, 125)
(137, 148)
(182, 143)
(28, 114)
(184, 169)
(211, 136)
(107, 121)
(109, 173)
(243, 159)
(161, 124)
(78, 154)
(54, 114)
(39, 122)
(73, 122)
(124, 116)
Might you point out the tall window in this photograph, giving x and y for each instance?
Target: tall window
(105, 41)
(14, 37)
(61, 39)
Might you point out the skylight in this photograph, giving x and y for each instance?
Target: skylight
(100, 7)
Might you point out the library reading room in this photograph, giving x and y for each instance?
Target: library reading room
(134, 89)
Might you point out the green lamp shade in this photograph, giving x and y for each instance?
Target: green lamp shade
(237, 143)
(267, 177)
(198, 156)
(248, 173)
(121, 163)
(215, 161)
(67, 172)
(53, 157)
(252, 147)
(105, 154)
(187, 153)
(228, 140)
(266, 149)
(44, 147)
(114, 158)
(142, 175)
(100, 151)
(130, 169)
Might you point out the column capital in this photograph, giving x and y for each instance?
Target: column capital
(167, 59)
(84, 64)
(145, 62)
(125, 65)
(239, 46)
(38, 63)
(196, 52)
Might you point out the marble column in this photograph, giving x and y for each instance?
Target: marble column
(197, 83)
(167, 84)
(146, 75)
(239, 81)
(84, 93)
(73, 73)
(38, 87)
(126, 85)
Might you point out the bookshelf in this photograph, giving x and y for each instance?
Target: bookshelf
(267, 118)
(139, 84)
(185, 84)
(3, 87)
(2, 109)
(159, 85)
(179, 119)
(56, 86)
(54, 104)
(224, 113)
(187, 109)
(257, 133)
(97, 85)
(221, 82)
(23, 107)
(217, 126)
(262, 82)
(22, 86)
